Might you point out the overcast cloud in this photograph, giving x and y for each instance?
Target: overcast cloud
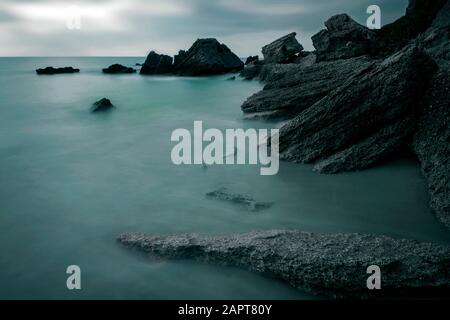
(133, 27)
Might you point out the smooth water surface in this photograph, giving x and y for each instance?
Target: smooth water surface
(72, 181)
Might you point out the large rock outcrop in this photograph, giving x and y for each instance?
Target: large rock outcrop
(431, 142)
(51, 70)
(333, 265)
(118, 69)
(207, 57)
(102, 105)
(292, 88)
(282, 50)
(344, 38)
(157, 64)
(368, 117)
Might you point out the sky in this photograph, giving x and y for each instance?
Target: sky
(134, 27)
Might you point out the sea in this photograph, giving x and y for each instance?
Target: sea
(72, 181)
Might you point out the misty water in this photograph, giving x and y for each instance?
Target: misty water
(72, 181)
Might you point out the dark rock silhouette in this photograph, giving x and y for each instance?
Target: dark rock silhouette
(102, 105)
(207, 57)
(240, 199)
(431, 141)
(282, 50)
(292, 88)
(157, 64)
(344, 38)
(51, 70)
(334, 102)
(251, 59)
(418, 17)
(118, 68)
(333, 265)
(363, 121)
(179, 58)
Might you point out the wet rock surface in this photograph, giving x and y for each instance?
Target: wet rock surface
(52, 70)
(118, 69)
(332, 265)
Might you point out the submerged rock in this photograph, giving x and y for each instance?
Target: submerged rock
(368, 117)
(333, 265)
(344, 38)
(282, 50)
(240, 199)
(51, 70)
(292, 88)
(157, 64)
(207, 57)
(118, 68)
(102, 105)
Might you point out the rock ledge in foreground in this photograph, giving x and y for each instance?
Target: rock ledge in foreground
(333, 265)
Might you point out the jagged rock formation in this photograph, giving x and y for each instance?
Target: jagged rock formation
(293, 88)
(367, 118)
(251, 59)
(344, 38)
(332, 265)
(418, 17)
(431, 141)
(179, 58)
(51, 70)
(282, 50)
(102, 105)
(207, 57)
(118, 68)
(157, 64)
(348, 119)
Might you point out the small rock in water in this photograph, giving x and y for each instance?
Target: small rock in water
(51, 70)
(102, 105)
(231, 78)
(251, 59)
(118, 68)
(224, 195)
